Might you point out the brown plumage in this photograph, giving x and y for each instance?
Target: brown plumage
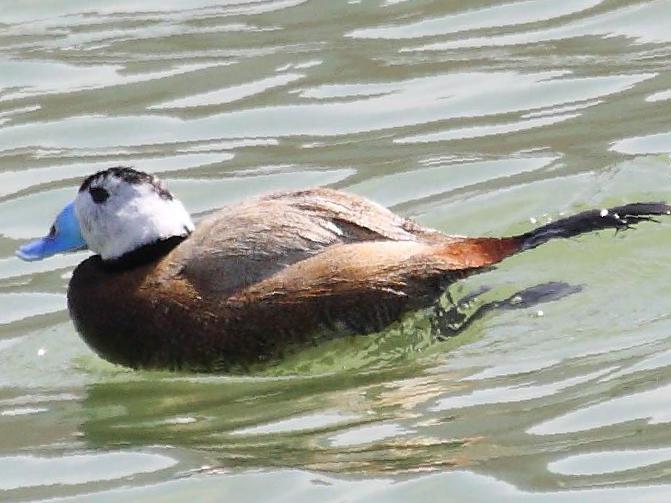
(280, 270)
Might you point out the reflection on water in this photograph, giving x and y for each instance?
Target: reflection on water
(77, 469)
(480, 119)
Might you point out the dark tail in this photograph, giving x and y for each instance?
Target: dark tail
(618, 218)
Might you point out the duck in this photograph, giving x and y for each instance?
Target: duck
(259, 278)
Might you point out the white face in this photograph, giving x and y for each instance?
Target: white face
(120, 210)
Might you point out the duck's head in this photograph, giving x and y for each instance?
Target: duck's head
(116, 212)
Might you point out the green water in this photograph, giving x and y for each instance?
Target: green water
(476, 118)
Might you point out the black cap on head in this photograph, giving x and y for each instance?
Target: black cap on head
(128, 175)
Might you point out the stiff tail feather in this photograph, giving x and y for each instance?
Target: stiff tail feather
(618, 218)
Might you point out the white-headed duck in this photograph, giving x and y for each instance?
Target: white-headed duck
(260, 276)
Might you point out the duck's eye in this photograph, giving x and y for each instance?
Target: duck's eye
(98, 194)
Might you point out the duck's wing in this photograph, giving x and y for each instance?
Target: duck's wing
(354, 218)
(365, 286)
(245, 243)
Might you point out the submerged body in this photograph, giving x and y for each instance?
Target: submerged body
(267, 274)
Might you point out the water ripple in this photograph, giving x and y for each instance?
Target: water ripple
(479, 119)
(647, 405)
(509, 14)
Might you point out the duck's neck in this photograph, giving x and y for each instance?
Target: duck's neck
(144, 254)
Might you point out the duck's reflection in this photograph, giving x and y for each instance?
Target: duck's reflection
(261, 421)
(451, 321)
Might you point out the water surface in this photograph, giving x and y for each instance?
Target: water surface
(479, 118)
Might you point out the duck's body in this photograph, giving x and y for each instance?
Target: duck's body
(261, 276)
